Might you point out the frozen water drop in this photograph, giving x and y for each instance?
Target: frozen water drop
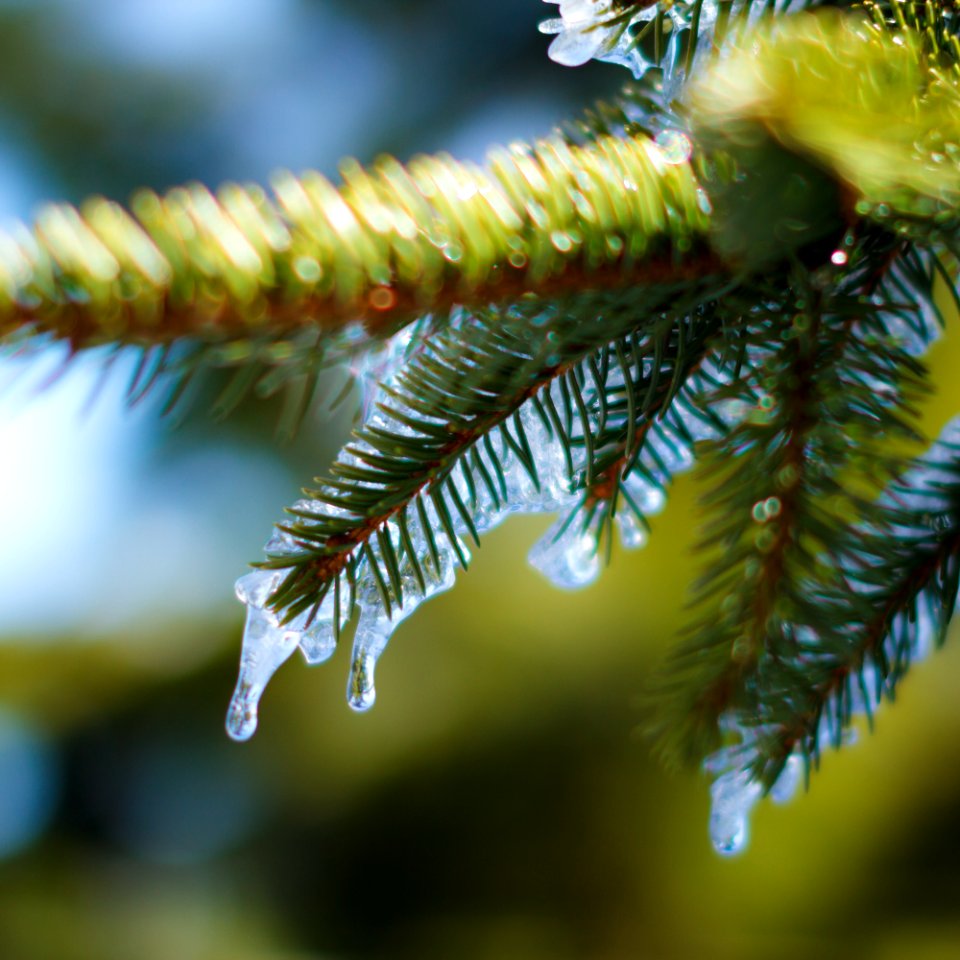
(242, 714)
(317, 643)
(649, 499)
(567, 554)
(787, 783)
(255, 588)
(733, 796)
(266, 647)
(369, 642)
(361, 690)
(729, 833)
(633, 533)
(674, 146)
(573, 48)
(281, 543)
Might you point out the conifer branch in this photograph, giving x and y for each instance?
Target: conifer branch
(899, 583)
(813, 441)
(468, 381)
(389, 245)
(875, 103)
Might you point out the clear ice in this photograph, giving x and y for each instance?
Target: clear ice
(568, 554)
(597, 30)
(266, 646)
(734, 793)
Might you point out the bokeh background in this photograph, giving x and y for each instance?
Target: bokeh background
(499, 803)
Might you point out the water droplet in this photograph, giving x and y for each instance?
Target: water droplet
(382, 298)
(567, 554)
(787, 783)
(839, 257)
(764, 510)
(633, 533)
(674, 145)
(307, 269)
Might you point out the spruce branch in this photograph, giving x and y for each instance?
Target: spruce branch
(390, 244)
(785, 480)
(799, 317)
(467, 381)
(900, 582)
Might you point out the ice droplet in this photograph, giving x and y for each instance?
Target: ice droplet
(649, 499)
(318, 642)
(787, 783)
(369, 642)
(266, 646)
(633, 533)
(567, 554)
(674, 145)
(254, 588)
(733, 796)
(361, 691)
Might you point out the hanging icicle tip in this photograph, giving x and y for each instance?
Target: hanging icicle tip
(613, 30)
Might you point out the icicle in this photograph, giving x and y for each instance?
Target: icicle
(376, 626)
(266, 646)
(735, 793)
(379, 364)
(733, 796)
(586, 30)
(788, 782)
(633, 534)
(318, 641)
(567, 553)
(595, 30)
(369, 642)
(673, 64)
(548, 458)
